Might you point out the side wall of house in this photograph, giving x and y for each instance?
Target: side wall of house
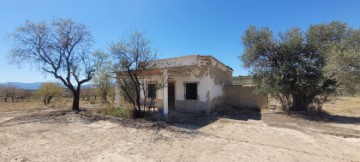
(220, 76)
(244, 97)
(211, 76)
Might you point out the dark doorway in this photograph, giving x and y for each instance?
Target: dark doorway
(171, 96)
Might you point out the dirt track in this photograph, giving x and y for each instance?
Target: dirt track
(65, 136)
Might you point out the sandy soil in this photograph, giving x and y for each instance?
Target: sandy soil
(59, 135)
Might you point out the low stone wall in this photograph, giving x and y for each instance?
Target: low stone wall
(244, 97)
(193, 106)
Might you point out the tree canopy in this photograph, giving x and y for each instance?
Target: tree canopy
(340, 45)
(296, 67)
(48, 90)
(60, 48)
(103, 82)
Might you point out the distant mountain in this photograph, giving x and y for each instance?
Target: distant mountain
(30, 86)
(35, 85)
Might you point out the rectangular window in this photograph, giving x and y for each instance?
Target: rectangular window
(151, 90)
(191, 91)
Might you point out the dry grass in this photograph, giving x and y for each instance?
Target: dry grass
(349, 106)
(33, 104)
(346, 105)
(37, 104)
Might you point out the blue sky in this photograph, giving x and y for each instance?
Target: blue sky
(176, 28)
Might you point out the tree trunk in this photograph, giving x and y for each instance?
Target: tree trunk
(301, 102)
(104, 98)
(138, 103)
(44, 100)
(138, 113)
(49, 99)
(76, 101)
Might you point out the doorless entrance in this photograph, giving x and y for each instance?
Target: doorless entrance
(171, 96)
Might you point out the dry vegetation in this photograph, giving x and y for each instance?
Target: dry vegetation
(30, 132)
(243, 80)
(349, 106)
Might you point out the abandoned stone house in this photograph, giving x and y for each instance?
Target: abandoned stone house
(192, 83)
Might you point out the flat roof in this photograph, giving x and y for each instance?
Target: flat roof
(195, 56)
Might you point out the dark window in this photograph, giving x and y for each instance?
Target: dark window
(151, 90)
(191, 91)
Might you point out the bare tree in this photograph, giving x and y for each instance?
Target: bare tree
(133, 57)
(61, 48)
(87, 93)
(9, 91)
(22, 94)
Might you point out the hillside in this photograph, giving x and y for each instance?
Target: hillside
(34, 86)
(242, 80)
(29, 86)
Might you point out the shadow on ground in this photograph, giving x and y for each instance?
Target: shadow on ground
(342, 119)
(318, 121)
(191, 122)
(69, 117)
(55, 116)
(197, 120)
(328, 118)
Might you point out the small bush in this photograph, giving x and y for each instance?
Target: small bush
(117, 112)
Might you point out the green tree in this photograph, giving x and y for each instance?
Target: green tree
(61, 49)
(49, 90)
(341, 46)
(103, 80)
(292, 66)
(103, 84)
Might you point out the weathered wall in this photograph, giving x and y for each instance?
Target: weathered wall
(211, 76)
(174, 62)
(181, 104)
(156, 79)
(220, 76)
(244, 97)
(194, 106)
(199, 105)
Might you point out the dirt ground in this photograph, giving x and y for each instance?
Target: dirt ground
(53, 134)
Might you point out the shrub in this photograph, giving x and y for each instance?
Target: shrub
(117, 112)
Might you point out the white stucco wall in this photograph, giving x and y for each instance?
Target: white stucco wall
(206, 87)
(153, 79)
(217, 88)
(203, 86)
